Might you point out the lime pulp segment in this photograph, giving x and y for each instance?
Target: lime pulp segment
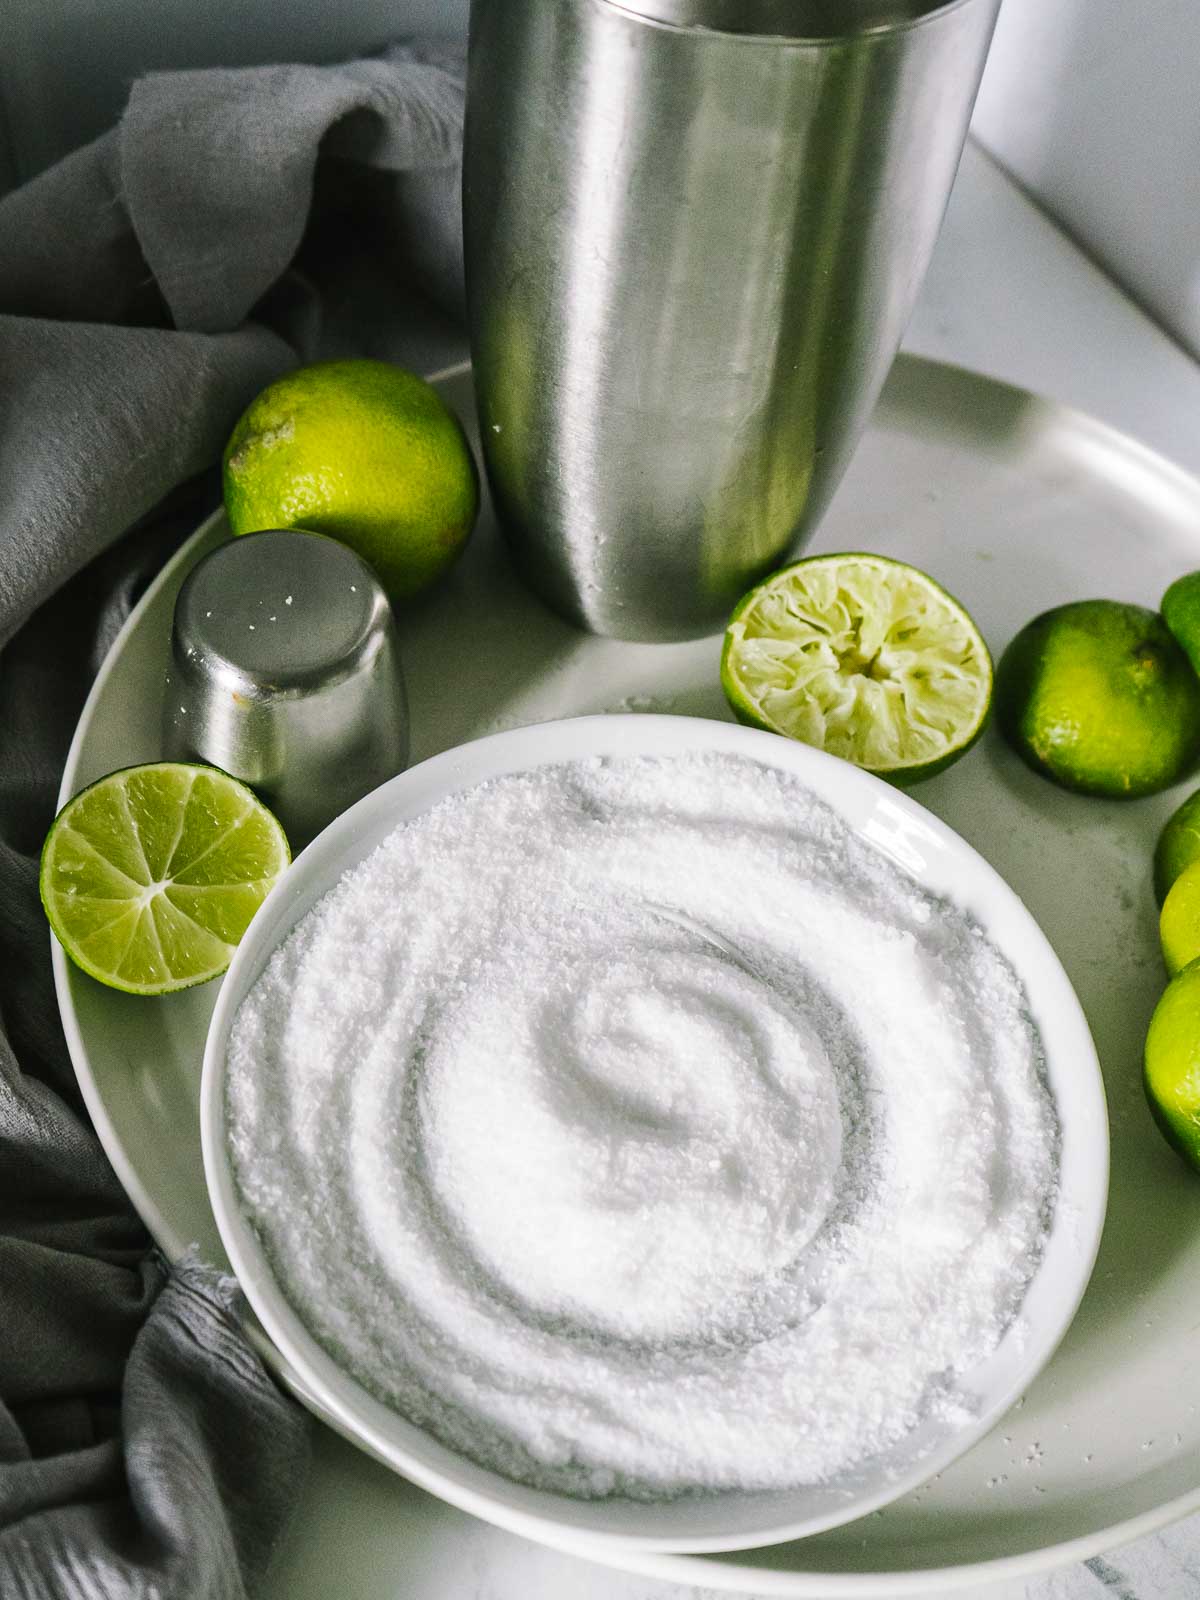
(864, 657)
(150, 877)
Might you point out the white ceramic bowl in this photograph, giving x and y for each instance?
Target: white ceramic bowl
(924, 848)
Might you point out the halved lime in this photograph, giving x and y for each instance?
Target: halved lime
(150, 877)
(1172, 1064)
(861, 656)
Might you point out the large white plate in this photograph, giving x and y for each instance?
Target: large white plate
(1015, 504)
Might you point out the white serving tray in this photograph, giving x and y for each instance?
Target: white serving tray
(1014, 504)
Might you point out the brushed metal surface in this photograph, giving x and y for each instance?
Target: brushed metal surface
(787, 19)
(690, 257)
(285, 672)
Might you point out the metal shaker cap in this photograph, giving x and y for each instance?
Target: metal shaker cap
(798, 20)
(285, 672)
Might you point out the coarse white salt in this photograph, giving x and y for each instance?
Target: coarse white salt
(608, 1206)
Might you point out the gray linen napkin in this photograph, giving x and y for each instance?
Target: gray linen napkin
(150, 284)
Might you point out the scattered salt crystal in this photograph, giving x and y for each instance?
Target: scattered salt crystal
(645, 702)
(609, 1207)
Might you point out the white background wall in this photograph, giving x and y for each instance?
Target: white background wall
(1093, 104)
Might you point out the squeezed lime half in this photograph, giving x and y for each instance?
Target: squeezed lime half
(861, 656)
(150, 877)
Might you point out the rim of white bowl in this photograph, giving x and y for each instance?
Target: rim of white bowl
(921, 845)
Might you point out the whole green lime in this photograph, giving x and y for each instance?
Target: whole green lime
(1172, 1064)
(1098, 697)
(1178, 845)
(1181, 613)
(363, 451)
(1179, 922)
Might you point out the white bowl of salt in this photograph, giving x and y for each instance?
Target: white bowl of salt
(648, 1130)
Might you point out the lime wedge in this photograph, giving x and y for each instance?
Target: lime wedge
(863, 657)
(151, 876)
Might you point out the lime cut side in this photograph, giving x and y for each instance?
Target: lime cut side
(864, 657)
(150, 877)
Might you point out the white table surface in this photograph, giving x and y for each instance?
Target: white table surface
(1009, 295)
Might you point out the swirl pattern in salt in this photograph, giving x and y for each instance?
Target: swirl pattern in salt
(610, 1206)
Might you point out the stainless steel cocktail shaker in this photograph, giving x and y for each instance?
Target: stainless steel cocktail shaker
(694, 232)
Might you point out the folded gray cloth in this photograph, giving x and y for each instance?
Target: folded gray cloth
(150, 284)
